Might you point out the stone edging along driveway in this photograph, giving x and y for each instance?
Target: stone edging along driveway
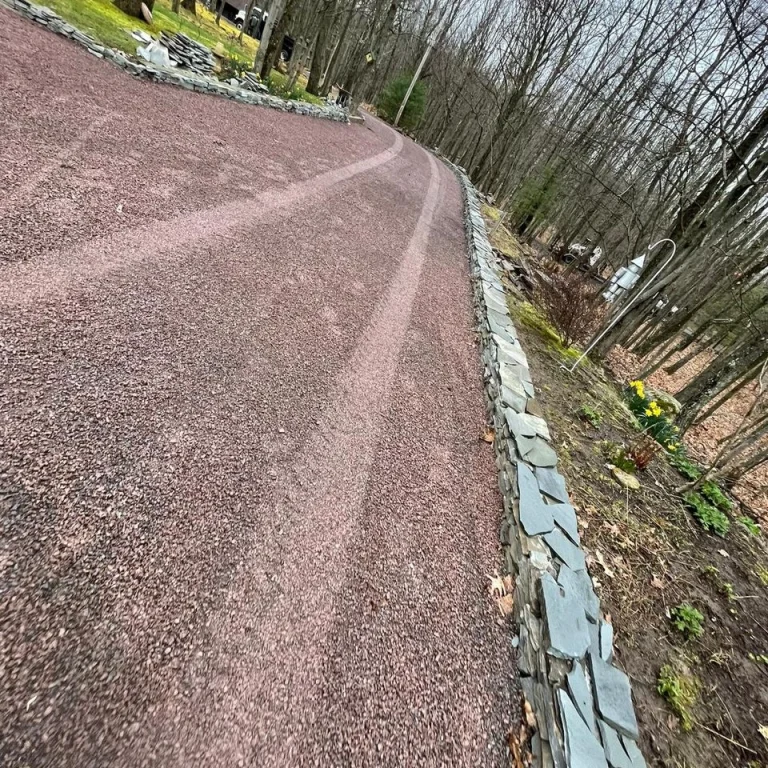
(582, 702)
(40, 14)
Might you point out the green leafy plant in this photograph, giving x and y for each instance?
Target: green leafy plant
(653, 420)
(726, 588)
(587, 413)
(752, 527)
(688, 620)
(711, 518)
(680, 691)
(231, 66)
(392, 96)
(714, 494)
(684, 465)
(617, 455)
(762, 573)
(759, 658)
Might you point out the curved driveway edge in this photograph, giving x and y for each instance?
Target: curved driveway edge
(582, 702)
(40, 14)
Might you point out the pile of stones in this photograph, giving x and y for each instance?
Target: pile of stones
(250, 82)
(187, 53)
(193, 81)
(582, 702)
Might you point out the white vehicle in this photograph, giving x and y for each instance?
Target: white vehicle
(257, 16)
(576, 252)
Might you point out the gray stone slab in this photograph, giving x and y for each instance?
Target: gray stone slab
(519, 425)
(515, 400)
(582, 747)
(541, 454)
(524, 445)
(513, 355)
(565, 517)
(566, 550)
(581, 693)
(633, 750)
(614, 750)
(552, 483)
(606, 640)
(535, 517)
(511, 377)
(565, 621)
(580, 584)
(528, 386)
(613, 696)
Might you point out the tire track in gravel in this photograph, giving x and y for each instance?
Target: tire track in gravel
(56, 273)
(253, 699)
(153, 394)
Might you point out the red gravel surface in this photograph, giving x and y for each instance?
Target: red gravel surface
(246, 518)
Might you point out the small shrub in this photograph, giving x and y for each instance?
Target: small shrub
(587, 413)
(714, 494)
(642, 451)
(711, 518)
(569, 304)
(392, 96)
(752, 527)
(680, 691)
(688, 620)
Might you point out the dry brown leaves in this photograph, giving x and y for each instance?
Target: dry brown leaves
(501, 589)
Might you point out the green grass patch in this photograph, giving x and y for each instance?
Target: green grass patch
(110, 26)
(277, 83)
(680, 690)
(532, 318)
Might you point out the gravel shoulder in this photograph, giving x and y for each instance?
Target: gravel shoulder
(246, 517)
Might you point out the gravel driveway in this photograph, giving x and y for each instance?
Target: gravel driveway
(246, 518)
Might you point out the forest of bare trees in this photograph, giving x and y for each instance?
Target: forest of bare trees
(617, 122)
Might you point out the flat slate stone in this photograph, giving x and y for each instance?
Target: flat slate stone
(579, 583)
(614, 749)
(552, 483)
(515, 400)
(541, 454)
(565, 621)
(566, 550)
(520, 426)
(582, 747)
(635, 755)
(535, 517)
(613, 696)
(525, 445)
(565, 517)
(581, 694)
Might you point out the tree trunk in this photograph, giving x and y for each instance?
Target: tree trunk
(133, 7)
(261, 62)
(321, 43)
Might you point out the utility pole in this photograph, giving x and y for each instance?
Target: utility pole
(413, 82)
